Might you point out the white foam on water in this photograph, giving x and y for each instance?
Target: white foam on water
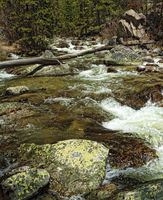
(102, 90)
(14, 56)
(97, 72)
(5, 75)
(146, 123)
(73, 49)
(91, 88)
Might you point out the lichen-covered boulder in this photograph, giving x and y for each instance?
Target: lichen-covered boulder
(75, 166)
(24, 185)
(148, 191)
(16, 90)
(123, 55)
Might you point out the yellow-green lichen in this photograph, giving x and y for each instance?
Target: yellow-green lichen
(76, 166)
(25, 184)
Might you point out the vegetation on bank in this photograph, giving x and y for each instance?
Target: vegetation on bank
(32, 22)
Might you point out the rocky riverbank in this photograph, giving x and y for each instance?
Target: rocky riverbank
(88, 129)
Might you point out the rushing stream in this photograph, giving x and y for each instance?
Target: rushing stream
(92, 99)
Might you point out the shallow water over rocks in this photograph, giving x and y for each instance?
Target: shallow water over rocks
(122, 109)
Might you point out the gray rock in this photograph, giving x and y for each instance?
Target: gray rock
(148, 59)
(148, 191)
(134, 17)
(124, 55)
(157, 50)
(75, 166)
(25, 185)
(131, 25)
(140, 68)
(48, 54)
(16, 90)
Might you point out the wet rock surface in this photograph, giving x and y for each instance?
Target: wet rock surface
(105, 192)
(75, 166)
(62, 108)
(147, 191)
(124, 151)
(16, 90)
(25, 185)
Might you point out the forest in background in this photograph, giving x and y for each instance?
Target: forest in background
(31, 23)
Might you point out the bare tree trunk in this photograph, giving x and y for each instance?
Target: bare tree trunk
(50, 61)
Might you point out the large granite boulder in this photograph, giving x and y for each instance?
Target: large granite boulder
(24, 185)
(132, 25)
(134, 17)
(75, 166)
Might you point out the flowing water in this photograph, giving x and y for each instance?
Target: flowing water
(94, 99)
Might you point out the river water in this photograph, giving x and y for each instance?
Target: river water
(72, 104)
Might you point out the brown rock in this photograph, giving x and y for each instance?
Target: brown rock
(151, 68)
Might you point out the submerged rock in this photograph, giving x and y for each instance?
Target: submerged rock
(104, 192)
(13, 114)
(11, 108)
(148, 191)
(25, 184)
(149, 67)
(160, 61)
(75, 166)
(16, 90)
(122, 153)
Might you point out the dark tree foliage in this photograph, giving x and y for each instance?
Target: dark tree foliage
(29, 22)
(33, 22)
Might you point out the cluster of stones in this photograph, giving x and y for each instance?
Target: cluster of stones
(74, 167)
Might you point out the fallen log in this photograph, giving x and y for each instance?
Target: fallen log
(50, 61)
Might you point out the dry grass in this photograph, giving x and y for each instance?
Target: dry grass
(5, 49)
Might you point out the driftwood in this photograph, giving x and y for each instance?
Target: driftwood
(50, 61)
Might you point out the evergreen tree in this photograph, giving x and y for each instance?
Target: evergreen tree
(30, 22)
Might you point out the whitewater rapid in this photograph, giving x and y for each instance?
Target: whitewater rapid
(146, 123)
(5, 75)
